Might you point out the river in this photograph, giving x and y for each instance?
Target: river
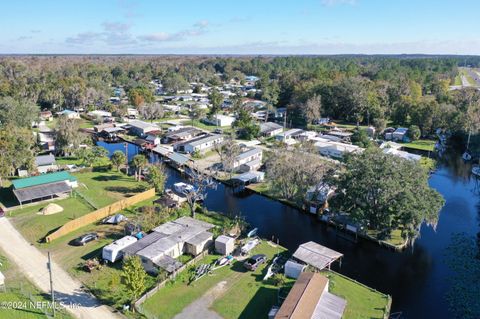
(417, 278)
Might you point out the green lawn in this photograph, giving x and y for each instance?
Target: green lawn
(206, 127)
(96, 189)
(423, 145)
(362, 302)
(104, 188)
(35, 227)
(19, 290)
(175, 296)
(250, 296)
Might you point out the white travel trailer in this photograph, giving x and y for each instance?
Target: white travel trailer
(113, 252)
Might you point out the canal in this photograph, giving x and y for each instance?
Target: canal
(417, 278)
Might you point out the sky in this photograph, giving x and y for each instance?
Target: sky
(240, 27)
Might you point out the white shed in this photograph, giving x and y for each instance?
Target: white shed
(224, 245)
(293, 269)
(113, 252)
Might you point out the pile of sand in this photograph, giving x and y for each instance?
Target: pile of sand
(51, 209)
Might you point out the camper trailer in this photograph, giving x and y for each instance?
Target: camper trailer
(113, 252)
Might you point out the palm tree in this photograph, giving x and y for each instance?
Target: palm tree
(139, 162)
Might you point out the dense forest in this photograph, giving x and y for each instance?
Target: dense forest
(375, 90)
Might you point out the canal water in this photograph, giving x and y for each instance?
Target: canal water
(417, 278)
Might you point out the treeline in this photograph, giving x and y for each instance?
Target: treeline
(372, 90)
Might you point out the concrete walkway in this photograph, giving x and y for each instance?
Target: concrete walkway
(33, 264)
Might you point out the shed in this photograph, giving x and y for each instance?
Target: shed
(293, 269)
(224, 245)
(199, 243)
(113, 251)
(2, 279)
(316, 255)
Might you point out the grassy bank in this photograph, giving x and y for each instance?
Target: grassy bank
(422, 145)
(362, 301)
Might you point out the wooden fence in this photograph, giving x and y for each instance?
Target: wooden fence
(99, 214)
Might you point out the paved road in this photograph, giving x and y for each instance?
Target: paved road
(33, 263)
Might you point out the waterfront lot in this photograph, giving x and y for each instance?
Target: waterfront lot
(239, 293)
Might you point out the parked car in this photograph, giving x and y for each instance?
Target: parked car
(84, 239)
(253, 262)
(218, 131)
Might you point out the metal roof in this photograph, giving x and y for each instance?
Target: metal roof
(43, 179)
(329, 307)
(142, 243)
(178, 158)
(207, 139)
(269, 126)
(248, 153)
(200, 238)
(316, 255)
(41, 191)
(142, 125)
(168, 263)
(249, 176)
(44, 160)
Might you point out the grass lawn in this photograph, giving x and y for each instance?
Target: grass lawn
(362, 302)
(98, 188)
(423, 145)
(175, 296)
(19, 290)
(249, 296)
(104, 188)
(395, 237)
(206, 127)
(35, 227)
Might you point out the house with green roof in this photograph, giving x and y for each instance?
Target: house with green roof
(44, 186)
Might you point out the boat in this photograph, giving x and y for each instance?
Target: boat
(467, 156)
(252, 233)
(183, 188)
(476, 171)
(249, 246)
(227, 260)
(276, 266)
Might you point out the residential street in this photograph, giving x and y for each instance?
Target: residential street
(34, 265)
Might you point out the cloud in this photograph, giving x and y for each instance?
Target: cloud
(84, 38)
(197, 29)
(114, 34)
(331, 3)
(24, 37)
(130, 8)
(35, 31)
(116, 27)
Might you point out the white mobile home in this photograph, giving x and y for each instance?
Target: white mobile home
(335, 149)
(269, 129)
(249, 160)
(202, 144)
(113, 252)
(221, 120)
(141, 128)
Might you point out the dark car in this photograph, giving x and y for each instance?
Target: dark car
(253, 262)
(82, 240)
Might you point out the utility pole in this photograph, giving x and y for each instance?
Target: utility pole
(49, 266)
(126, 156)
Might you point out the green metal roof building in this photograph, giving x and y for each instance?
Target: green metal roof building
(45, 186)
(43, 179)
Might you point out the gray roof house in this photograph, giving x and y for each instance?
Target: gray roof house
(270, 129)
(169, 241)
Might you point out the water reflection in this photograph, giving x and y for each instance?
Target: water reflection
(416, 278)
